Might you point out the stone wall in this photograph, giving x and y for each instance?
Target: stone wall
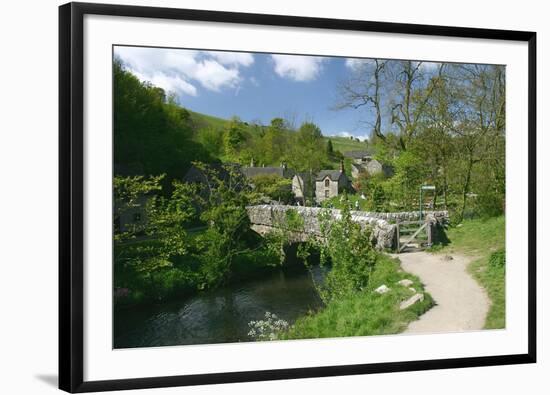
(266, 217)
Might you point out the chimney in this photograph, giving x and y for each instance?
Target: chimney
(341, 166)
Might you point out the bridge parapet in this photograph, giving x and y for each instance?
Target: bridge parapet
(264, 218)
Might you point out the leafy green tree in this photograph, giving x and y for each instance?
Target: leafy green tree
(212, 139)
(143, 251)
(152, 133)
(272, 144)
(348, 248)
(330, 149)
(224, 212)
(308, 154)
(274, 186)
(233, 137)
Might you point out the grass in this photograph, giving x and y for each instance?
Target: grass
(366, 313)
(344, 144)
(485, 240)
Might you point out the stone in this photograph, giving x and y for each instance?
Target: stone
(448, 258)
(405, 282)
(418, 297)
(382, 289)
(412, 290)
(383, 232)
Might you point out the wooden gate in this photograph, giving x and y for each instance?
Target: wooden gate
(419, 231)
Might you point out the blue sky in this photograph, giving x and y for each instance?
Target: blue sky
(252, 86)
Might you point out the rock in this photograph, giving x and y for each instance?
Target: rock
(412, 290)
(382, 289)
(412, 300)
(405, 282)
(448, 258)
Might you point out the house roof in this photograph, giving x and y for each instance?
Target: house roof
(334, 175)
(280, 171)
(358, 154)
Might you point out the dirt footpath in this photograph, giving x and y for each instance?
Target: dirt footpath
(461, 303)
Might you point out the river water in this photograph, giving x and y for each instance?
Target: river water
(219, 316)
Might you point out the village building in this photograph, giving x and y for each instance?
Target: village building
(326, 184)
(253, 171)
(364, 162)
(330, 183)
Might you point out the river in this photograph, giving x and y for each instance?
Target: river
(221, 315)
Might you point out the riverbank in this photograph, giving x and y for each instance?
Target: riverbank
(484, 241)
(368, 312)
(183, 278)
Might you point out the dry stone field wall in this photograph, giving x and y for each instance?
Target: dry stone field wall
(264, 218)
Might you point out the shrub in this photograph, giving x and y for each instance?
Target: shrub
(349, 249)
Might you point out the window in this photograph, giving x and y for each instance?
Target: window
(327, 183)
(327, 193)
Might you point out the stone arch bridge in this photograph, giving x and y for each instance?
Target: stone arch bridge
(385, 226)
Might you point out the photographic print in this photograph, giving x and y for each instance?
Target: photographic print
(272, 197)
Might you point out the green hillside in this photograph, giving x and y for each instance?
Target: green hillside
(344, 144)
(204, 122)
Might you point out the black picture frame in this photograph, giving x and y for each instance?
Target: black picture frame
(71, 179)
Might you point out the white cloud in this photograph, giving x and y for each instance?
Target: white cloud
(170, 83)
(356, 64)
(233, 58)
(177, 70)
(362, 137)
(214, 76)
(297, 67)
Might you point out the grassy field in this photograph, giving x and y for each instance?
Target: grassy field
(485, 240)
(204, 120)
(366, 313)
(344, 144)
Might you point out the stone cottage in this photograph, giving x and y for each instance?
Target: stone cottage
(326, 184)
(330, 183)
(363, 162)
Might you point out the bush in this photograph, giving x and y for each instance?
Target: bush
(349, 250)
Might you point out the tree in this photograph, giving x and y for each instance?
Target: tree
(212, 139)
(348, 248)
(479, 130)
(274, 187)
(233, 137)
(272, 143)
(152, 133)
(363, 89)
(164, 228)
(223, 209)
(308, 154)
(330, 149)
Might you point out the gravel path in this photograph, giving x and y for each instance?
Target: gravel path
(461, 303)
